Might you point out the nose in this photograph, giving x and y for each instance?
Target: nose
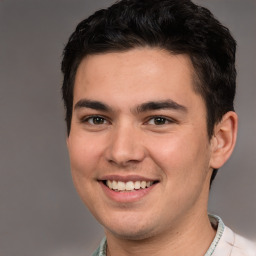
(125, 147)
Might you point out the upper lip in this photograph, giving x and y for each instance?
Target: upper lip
(126, 178)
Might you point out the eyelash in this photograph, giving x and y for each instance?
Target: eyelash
(162, 118)
(104, 120)
(87, 119)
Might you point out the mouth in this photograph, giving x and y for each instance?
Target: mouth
(129, 186)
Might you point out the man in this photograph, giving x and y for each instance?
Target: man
(148, 89)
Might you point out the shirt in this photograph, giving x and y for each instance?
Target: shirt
(225, 243)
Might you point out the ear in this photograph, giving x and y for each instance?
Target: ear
(224, 139)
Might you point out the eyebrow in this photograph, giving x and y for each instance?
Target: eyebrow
(96, 105)
(144, 107)
(156, 105)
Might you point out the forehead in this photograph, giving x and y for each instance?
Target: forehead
(142, 74)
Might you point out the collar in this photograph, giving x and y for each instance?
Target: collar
(215, 221)
(218, 224)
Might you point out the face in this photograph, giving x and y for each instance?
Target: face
(139, 149)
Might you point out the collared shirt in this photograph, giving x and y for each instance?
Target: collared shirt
(225, 243)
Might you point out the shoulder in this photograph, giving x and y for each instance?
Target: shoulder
(234, 245)
(243, 246)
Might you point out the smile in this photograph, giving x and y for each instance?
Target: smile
(128, 186)
(127, 189)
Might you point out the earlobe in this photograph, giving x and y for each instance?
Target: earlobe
(224, 139)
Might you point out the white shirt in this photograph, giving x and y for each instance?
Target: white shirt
(228, 243)
(225, 243)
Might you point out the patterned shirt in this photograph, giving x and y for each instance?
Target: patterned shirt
(225, 243)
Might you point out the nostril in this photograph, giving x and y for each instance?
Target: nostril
(124, 148)
(131, 164)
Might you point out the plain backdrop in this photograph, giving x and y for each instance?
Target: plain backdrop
(40, 212)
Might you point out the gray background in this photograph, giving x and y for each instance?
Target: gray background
(40, 212)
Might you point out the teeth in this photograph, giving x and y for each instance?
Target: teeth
(137, 184)
(143, 184)
(128, 186)
(109, 184)
(120, 185)
(114, 185)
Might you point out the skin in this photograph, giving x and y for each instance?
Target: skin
(122, 138)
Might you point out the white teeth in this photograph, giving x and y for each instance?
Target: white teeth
(137, 184)
(120, 185)
(143, 184)
(128, 186)
(114, 184)
(109, 184)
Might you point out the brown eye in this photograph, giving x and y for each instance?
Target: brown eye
(95, 120)
(159, 120)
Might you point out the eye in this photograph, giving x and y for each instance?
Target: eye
(159, 120)
(95, 120)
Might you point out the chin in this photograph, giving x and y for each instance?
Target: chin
(131, 230)
(135, 235)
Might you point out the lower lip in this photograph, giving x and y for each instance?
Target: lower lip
(126, 196)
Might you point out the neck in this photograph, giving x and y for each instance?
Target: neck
(192, 238)
(192, 234)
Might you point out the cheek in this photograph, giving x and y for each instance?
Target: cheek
(83, 157)
(181, 155)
